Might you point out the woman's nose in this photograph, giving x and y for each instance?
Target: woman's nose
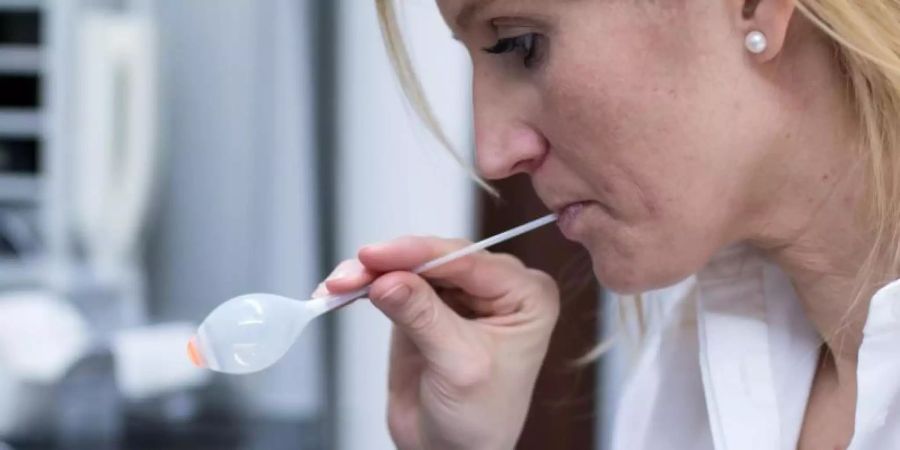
(506, 149)
(505, 141)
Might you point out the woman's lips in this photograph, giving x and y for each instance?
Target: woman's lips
(568, 218)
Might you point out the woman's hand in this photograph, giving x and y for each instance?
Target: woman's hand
(469, 338)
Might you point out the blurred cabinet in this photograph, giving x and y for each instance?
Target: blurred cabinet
(78, 116)
(23, 73)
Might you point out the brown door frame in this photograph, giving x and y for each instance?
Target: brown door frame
(562, 414)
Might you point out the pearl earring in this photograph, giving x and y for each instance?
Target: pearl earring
(755, 42)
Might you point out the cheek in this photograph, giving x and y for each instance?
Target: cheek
(626, 87)
(666, 247)
(616, 133)
(642, 123)
(668, 203)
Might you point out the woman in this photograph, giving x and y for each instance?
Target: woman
(745, 153)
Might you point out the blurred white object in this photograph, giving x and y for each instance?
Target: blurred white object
(153, 360)
(23, 404)
(41, 335)
(116, 129)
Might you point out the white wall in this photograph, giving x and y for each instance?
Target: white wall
(393, 180)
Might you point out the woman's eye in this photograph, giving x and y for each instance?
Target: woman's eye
(528, 45)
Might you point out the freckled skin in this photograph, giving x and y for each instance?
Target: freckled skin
(651, 109)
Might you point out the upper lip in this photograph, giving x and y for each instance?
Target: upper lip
(562, 206)
(556, 200)
(558, 206)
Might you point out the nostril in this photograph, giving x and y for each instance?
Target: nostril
(524, 167)
(506, 151)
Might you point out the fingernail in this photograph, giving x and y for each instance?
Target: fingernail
(397, 294)
(320, 291)
(374, 247)
(345, 269)
(338, 273)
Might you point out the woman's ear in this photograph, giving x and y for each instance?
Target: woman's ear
(769, 17)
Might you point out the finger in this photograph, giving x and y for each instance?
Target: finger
(470, 307)
(406, 364)
(481, 274)
(406, 367)
(322, 291)
(417, 312)
(349, 275)
(457, 300)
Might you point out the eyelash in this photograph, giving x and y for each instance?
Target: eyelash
(528, 44)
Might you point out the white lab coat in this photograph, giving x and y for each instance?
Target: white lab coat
(731, 364)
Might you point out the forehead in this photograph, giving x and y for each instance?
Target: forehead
(468, 9)
(459, 14)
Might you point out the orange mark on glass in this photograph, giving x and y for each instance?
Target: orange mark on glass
(194, 353)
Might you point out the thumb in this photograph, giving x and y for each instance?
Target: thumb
(417, 311)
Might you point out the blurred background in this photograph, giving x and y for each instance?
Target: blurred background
(160, 157)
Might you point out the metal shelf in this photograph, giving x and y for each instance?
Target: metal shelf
(15, 122)
(16, 59)
(19, 188)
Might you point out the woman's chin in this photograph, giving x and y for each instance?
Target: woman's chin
(620, 280)
(626, 277)
(620, 287)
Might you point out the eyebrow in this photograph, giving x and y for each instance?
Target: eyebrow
(469, 11)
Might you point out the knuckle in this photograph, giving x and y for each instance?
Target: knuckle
(474, 372)
(509, 260)
(543, 282)
(438, 242)
(458, 242)
(548, 291)
(394, 423)
(416, 238)
(466, 264)
(421, 316)
(398, 422)
(484, 259)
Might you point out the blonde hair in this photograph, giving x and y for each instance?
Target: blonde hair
(412, 88)
(866, 37)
